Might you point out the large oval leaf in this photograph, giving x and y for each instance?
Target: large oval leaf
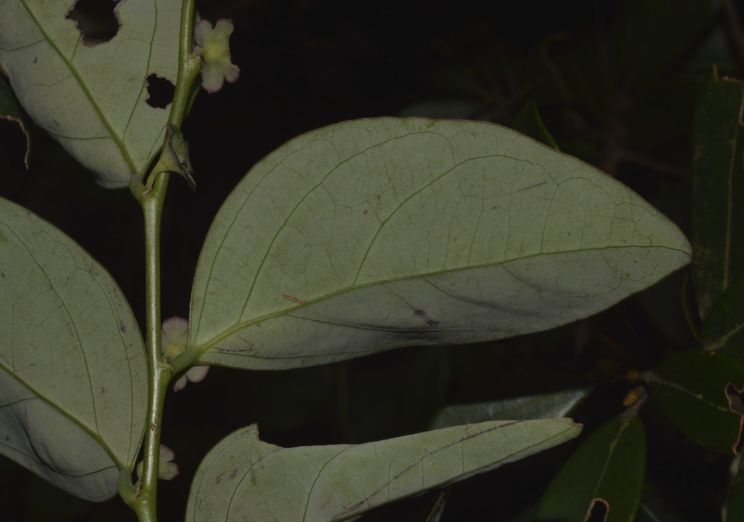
(73, 377)
(375, 234)
(243, 478)
(92, 99)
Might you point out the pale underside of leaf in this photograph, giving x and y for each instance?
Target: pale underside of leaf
(72, 368)
(375, 234)
(243, 478)
(92, 100)
(545, 406)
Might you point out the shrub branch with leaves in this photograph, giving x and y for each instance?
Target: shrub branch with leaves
(349, 240)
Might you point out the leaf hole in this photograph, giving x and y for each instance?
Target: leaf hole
(735, 398)
(598, 511)
(159, 91)
(97, 20)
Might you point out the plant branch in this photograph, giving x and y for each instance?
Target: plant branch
(189, 67)
(144, 501)
(159, 374)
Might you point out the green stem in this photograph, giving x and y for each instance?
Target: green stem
(144, 500)
(189, 67)
(159, 374)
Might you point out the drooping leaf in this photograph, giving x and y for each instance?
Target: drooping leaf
(73, 377)
(529, 123)
(723, 331)
(654, 36)
(243, 478)
(92, 99)
(718, 190)
(374, 234)
(9, 110)
(691, 389)
(607, 468)
(545, 406)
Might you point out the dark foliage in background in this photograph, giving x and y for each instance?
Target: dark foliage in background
(615, 82)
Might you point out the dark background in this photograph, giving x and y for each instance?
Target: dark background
(615, 82)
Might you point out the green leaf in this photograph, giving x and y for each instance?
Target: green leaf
(691, 389)
(375, 234)
(529, 123)
(92, 99)
(9, 110)
(73, 377)
(608, 467)
(546, 406)
(718, 194)
(723, 331)
(247, 479)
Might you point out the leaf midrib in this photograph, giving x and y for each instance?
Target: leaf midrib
(95, 436)
(613, 446)
(114, 136)
(211, 343)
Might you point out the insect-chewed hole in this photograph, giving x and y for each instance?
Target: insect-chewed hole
(735, 398)
(159, 91)
(95, 19)
(598, 511)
